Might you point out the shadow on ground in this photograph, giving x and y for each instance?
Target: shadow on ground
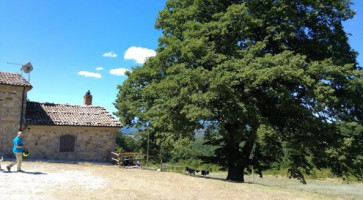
(26, 172)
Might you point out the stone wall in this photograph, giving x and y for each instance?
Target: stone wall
(10, 113)
(91, 144)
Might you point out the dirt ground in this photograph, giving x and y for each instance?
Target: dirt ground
(43, 180)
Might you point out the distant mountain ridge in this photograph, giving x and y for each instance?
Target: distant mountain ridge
(128, 130)
(131, 131)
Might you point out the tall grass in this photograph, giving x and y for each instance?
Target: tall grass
(315, 174)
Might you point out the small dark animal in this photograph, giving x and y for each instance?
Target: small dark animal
(205, 172)
(190, 171)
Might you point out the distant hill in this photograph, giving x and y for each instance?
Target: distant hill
(128, 130)
(131, 131)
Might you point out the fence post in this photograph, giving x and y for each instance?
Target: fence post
(147, 151)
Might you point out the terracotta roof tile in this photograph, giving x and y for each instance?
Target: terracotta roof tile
(13, 79)
(71, 115)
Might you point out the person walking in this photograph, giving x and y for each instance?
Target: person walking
(18, 151)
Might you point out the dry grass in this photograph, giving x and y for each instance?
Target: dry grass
(330, 187)
(91, 181)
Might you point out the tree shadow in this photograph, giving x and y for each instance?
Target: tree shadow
(25, 172)
(34, 173)
(214, 178)
(210, 176)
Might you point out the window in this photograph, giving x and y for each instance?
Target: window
(67, 143)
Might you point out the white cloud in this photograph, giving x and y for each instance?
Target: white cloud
(119, 71)
(110, 54)
(89, 74)
(139, 54)
(99, 68)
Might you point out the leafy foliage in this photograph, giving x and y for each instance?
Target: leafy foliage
(127, 143)
(274, 79)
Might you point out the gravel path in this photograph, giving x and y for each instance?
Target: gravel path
(58, 181)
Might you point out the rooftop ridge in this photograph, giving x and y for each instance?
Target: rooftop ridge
(16, 79)
(39, 113)
(66, 104)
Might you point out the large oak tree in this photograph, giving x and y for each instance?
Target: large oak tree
(275, 80)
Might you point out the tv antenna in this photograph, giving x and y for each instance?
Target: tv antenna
(27, 68)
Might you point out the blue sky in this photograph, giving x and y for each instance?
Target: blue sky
(80, 45)
(67, 40)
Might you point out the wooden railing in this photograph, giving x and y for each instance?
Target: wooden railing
(126, 159)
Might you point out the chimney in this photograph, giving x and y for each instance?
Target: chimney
(87, 99)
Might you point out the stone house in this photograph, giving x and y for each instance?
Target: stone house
(54, 131)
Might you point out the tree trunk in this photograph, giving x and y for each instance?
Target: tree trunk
(236, 173)
(235, 159)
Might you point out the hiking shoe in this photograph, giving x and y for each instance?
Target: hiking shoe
(8, 168)
(20, 171)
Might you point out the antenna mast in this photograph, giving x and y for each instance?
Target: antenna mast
(27, 68)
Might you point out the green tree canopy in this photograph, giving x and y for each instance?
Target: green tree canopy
(274, 77)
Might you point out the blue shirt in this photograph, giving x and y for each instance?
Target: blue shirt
(18, 141)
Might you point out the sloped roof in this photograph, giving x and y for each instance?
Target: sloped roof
(13, 79)
(68, 115)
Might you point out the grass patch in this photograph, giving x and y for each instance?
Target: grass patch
(180, 166)
(316, 174)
